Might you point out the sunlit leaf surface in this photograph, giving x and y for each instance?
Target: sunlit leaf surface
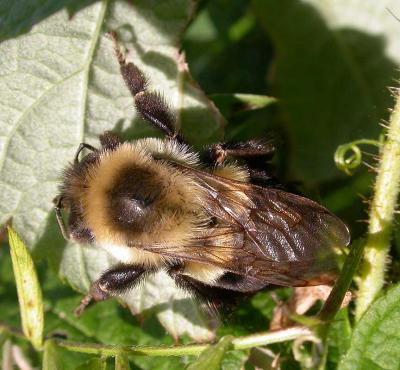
(60, 85)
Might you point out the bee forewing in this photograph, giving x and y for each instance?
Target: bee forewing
(276, 236)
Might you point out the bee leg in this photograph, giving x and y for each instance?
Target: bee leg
(150, 105)
(254, 152)
(240, 283)
(110, 140)
(112, 282)
(215, 297)
(264, 178)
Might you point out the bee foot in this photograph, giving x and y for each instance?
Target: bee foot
(96, 293)
(84, 303)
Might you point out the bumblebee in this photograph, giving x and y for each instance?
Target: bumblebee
(220, 230)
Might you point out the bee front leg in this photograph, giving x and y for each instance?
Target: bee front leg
(111, 283)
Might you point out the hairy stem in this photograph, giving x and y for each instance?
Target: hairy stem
(381, 217)
(278, 336)
(245, 342)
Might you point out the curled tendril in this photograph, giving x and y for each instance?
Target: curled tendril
(309, 358)
(349, 156)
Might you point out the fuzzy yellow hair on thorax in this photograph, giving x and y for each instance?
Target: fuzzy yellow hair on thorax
(175, 212)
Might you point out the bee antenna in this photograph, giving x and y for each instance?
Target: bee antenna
(58, 207)
(79, 150)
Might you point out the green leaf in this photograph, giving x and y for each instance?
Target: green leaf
(57, 358)
(175, 309)
(60, 85)
(226, 48)
(28, 288)
(51, 357)
(93, 364)
(8, 293)
(376, 341)
(255, 101)
(240, 102)
(339, 336)
(334, 62)
(234, 360)
(211, 358)
(121, 362)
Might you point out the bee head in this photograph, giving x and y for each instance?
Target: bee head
(73, 187)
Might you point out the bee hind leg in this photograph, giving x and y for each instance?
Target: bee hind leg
(112, 282)
(150, 105)
(240, 283)
(217, 297)
(110, 140)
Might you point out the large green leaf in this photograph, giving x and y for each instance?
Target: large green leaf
(334, 63)
(60, 85)
(376, 340)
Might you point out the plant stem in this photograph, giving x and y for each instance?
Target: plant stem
(111, 351)
(381, 217)
(278, 336)
(335, 299)
(245, 342)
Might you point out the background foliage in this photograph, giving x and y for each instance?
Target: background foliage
(328, 64)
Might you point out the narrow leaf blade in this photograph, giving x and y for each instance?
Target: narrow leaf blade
(241, 102)
(28, 288)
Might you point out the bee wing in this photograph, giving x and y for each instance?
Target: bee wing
(275, 236)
